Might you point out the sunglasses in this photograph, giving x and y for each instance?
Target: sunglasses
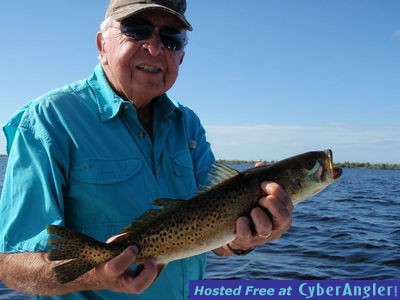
(141, 29)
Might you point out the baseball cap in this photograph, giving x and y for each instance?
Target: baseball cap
(121, 9)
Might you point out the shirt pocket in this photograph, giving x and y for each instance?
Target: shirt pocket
(182, 163)
(183, 171)
(106, 171)
(102, 197)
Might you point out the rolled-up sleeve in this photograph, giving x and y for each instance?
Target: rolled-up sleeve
(32, 191)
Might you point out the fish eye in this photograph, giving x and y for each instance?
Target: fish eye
(311, 165)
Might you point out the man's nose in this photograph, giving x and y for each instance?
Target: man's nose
(154, 44)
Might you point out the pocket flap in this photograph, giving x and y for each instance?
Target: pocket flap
(106, 171)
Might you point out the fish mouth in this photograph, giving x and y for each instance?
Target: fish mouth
(337, 172)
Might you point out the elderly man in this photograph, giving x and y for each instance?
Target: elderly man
(94, 154)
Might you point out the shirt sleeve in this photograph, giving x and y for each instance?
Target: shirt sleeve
(32, 191)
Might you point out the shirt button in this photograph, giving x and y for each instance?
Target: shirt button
(126, 106)
(141, 133)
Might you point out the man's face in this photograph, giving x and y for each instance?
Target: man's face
(140, 70)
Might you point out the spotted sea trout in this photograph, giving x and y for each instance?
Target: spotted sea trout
(183, 228)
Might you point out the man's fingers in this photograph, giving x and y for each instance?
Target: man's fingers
(143, 280)
(281, 214)
(274, 189)
(122, 262)
(267, 222)
(262, 223)
(243, 230)
(118, 276)
(280, 206)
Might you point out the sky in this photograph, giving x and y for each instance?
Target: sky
(268, 78)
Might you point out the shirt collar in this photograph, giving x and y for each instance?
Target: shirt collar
(109, 103)
(166, 107)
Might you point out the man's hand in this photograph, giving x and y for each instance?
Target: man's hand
(31, 273)
(269, 224)
(116, 275)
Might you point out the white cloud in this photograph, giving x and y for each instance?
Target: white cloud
(273, 142)
(270, 142)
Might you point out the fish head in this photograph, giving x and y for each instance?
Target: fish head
(310, 173)
(301, 176)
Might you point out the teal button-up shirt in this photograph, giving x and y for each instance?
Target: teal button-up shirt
(79, 156)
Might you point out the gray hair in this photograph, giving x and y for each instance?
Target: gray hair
(105, 26)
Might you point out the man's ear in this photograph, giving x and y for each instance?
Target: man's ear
(100, 46)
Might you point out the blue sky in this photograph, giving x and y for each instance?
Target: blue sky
(269, 79)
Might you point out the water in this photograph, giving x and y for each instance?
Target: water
(351, 230)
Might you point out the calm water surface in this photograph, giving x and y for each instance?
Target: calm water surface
(351, 230)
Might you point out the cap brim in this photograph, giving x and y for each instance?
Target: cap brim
(134, 9)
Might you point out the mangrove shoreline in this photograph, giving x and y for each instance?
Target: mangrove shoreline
(347, 164)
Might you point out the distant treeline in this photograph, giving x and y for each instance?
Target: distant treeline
(346, 164)
(360, 165)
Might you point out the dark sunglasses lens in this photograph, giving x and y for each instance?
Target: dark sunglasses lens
(141, 29)
(136, 29)
(172, 39)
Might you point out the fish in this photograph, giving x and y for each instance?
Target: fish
(178, 229)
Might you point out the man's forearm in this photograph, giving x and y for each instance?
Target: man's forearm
(32, 273)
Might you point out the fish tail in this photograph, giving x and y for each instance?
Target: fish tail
(82, 252)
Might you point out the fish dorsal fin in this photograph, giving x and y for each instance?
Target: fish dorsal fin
(149, 216)
(217, 174)
(159, 207)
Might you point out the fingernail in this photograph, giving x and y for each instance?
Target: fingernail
(264, 184)
(133, 249)
(152, 260)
